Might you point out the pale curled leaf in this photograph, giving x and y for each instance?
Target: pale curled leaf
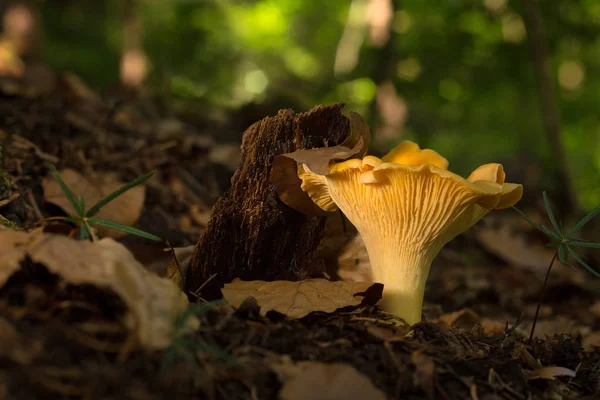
(125, 209)
(284, 170)
(358, 130)
(308, 380)
(152, 302)
(287, 184)
(550, 373)
(298, 299)
(318, 160)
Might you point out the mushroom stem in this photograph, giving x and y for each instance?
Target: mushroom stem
(403, 271)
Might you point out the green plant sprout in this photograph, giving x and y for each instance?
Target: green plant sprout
(564, 244)
(86, 218)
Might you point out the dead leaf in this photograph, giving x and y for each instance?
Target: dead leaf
(298, 299)
(153, 302)
(125, 209)
(177, 268)
(285, 180)
(16, 347)
(318, 160)
(553, 326)
(308, 380)
(284, 171)
(591, 341)
(358, 130)
(467, 319)
(464, 319)
(424, 370)
(550, 373)
(513, 246)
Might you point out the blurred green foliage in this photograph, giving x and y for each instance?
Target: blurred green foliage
(463, 67)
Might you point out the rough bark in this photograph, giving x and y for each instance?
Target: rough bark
(251, 234)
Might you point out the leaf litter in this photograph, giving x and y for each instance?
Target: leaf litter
(63, 338)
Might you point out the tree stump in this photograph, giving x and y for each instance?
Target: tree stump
(252, 235)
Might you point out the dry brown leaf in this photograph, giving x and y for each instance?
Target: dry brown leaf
(152, 302)
(285, 180)
(467, 319)
(424, 370)
(553, 326)
(591, 341)
(358, 130)
(318, 160)
(177, 268)
(550, 373)
(125, 209)
(308, 380)
(284, 171)
(463, 319)
(513, 246)
(298, 299)
(16, 347)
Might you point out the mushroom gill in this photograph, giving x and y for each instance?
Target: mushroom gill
(407, 206)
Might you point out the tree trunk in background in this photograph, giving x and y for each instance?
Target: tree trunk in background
(252, 235)
(134, 63)
(565, 196)
(21, 41)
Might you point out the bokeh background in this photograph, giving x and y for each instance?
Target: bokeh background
(511, 81)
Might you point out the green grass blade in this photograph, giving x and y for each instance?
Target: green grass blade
(580, 261)
(584, 220)
(81, 202)
(83, 231)
(98, 206)
(68, 193)
(586, 244)
(124, 228)
(73, 220)
(548, 232)
(562, 228)
(577, 240)
(549, 210)
(536, 226)
(563, 255)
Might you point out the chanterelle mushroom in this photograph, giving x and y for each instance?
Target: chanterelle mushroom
(407, 206)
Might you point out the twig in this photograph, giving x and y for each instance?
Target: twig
(542, 292)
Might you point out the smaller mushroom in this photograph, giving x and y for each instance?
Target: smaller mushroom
(407, 206)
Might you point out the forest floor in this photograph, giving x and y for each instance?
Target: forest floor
(61, 340)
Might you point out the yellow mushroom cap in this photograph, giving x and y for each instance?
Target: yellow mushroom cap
(407, 206)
